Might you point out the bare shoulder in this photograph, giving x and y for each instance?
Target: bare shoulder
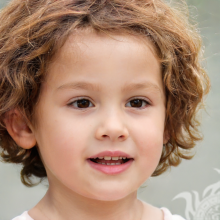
(151, 212)
(36, 214)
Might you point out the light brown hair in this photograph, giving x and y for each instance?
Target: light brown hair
(32, 31)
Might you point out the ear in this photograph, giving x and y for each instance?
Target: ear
(18, 129)
(166, 137)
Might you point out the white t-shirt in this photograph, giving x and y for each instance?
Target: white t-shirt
(167, 216)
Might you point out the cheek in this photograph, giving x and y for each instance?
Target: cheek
(150, 143)
(148, 137)
(150, 150)
(62, 144)
(150, 153)
(148, 134)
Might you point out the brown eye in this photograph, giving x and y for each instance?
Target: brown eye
(137, 103)
(81, 103)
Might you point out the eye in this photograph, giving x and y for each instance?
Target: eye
(137, 103)
(81, 103)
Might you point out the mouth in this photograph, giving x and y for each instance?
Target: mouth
(110, 161)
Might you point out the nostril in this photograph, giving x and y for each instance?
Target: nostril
(122, 137)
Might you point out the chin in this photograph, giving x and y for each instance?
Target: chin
(110, 194)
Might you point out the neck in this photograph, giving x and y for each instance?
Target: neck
(59, 205)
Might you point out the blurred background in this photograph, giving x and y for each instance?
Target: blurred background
(191, 189)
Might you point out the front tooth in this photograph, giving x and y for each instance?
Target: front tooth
(107, 158)
(112, 163)
(108, 163)
(120, 158)
(115, 158)
(100, 157)
(124, 158)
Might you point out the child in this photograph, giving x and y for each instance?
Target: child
(97, 96)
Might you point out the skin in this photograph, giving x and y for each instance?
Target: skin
(67, 135)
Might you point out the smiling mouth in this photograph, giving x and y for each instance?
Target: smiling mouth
(111, 161)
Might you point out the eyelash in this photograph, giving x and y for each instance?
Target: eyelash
(136, 98)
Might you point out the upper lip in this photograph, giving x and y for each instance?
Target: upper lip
(111, 154)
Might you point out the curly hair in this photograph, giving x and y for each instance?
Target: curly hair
(32, 31)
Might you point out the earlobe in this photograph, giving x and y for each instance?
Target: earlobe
(18, 129)
(166, 137)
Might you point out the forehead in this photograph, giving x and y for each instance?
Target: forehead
(84, 47)
(88, 54)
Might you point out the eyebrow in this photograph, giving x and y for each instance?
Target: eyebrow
(143, 85)
(96, 87)
(80, 85)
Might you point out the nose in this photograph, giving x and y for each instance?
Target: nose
(112, 127)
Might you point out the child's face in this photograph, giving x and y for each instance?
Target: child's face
(123, 110)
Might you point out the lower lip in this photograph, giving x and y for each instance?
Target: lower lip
(110, 169)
